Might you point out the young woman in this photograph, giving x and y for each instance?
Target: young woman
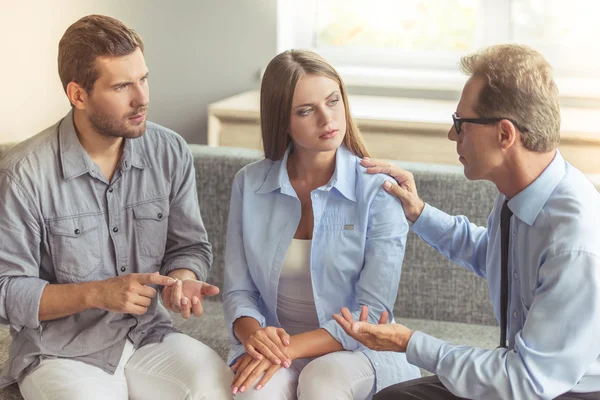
(309, 232)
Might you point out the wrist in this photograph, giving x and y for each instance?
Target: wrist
(417, 211)
(90, 295)
(402, 338)
(244, 327)
(183, 274)
(292, 350)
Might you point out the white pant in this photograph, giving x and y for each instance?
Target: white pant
(335, 376)
(180, 368)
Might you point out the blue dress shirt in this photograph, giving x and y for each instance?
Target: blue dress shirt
(356, 257)
(554, 292)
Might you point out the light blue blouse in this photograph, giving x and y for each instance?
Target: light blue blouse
(359, 239)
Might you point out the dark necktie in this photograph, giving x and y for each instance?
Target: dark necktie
(505, 237)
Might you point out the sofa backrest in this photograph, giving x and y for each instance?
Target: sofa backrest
(4, 147)
(431, 287)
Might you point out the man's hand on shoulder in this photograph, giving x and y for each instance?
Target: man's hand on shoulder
(402, 186)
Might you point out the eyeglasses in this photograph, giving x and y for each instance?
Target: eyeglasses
(458, 121)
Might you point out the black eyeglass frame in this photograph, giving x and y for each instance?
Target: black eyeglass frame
(458, 121)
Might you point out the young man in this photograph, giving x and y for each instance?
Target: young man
(98, 213)
(540, 252)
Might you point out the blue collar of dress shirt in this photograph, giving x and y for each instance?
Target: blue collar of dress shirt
(528, 203)
(343, 179)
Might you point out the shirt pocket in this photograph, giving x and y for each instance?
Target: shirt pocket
(76, 246)
(151, 227)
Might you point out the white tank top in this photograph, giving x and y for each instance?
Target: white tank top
(295, 300)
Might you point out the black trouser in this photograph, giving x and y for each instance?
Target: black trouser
(430, 388)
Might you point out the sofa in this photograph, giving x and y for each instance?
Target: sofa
(435, 296)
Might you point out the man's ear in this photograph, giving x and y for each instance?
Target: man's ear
(77, 95)
(507, 134)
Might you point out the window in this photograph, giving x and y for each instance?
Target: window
(424, 39)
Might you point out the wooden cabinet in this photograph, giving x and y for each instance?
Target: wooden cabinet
(402, 129)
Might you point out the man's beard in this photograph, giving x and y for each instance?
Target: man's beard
(108, 126)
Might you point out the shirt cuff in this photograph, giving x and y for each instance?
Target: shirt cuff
(424, 350)
(432, 224)
(23, 297)
(201, 271)
(235, 352)
(338, 333)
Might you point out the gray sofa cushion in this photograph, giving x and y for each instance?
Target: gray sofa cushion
(4, 147)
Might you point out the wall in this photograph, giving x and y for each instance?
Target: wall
(198, 52)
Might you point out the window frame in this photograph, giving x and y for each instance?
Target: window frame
(421, 70)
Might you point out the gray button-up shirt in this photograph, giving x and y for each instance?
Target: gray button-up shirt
(63, 222)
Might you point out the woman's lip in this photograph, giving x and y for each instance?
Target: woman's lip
(332, 133)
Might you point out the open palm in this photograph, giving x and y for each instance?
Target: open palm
(192, 288)
(381, 336)
(185, 296)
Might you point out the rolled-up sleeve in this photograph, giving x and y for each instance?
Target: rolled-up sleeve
(240, 295)
(20, 241)
(187, 244)
(377, 286)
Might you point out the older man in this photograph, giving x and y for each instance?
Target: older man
(540, 252)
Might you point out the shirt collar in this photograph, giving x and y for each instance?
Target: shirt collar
(75, 161)
(133, 155)
(343, 179)
(528, 203)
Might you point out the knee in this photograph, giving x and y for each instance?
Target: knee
(415, 389)
(211, 382)
(392, 393)
(281, 386)
(386, 395)
(321, 379)
(202, 373)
